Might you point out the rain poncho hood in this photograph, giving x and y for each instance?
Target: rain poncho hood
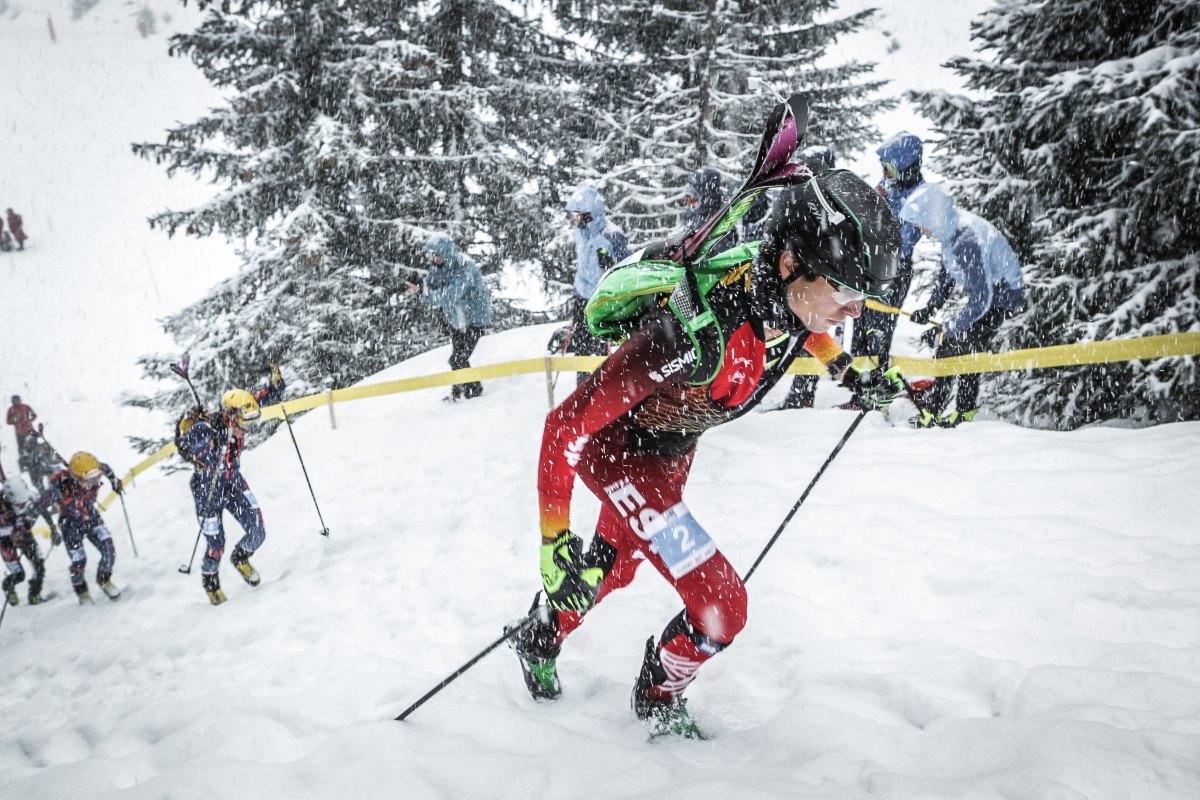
(595, 236)
(974, 255)
(456, 287)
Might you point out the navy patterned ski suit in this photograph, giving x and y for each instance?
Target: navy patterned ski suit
(215, 445)
(79, 519)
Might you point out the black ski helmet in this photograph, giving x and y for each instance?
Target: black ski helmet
(839, 228)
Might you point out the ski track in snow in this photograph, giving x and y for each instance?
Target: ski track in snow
(987, 612)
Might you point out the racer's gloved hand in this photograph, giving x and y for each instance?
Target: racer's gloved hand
(559, 340)
(570, 586)
(921, 315)
(875, 389)
(276, 378)
(118, 485)
(55, 536)
(932, 338)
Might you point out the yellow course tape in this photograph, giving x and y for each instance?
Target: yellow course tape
(1065, 355)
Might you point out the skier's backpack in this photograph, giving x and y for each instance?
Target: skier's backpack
(183, 425)
(646, 279)
(679, 273)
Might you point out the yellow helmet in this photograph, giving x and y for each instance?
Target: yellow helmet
(243, 403)
(86, 468)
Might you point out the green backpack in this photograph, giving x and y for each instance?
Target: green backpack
(678, 274)
(640, 282)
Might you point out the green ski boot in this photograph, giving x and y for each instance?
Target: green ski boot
(536, 651)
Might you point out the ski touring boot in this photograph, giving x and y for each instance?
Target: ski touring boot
(13, 598)
(38, 599)
(81, 591)
(241, 562)
(212, 587)
(108, 587)
(536, 651)
(664, 716)
(956, 418)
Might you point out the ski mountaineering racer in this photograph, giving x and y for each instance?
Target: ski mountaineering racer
(629, 431)
(212, 443)
(74, 491)
(16, 540)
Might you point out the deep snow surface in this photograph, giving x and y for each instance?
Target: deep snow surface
(988, 612)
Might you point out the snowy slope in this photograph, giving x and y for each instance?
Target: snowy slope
(83, 301)
(988, 612)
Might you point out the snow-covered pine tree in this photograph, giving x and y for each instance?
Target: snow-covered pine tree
(489, 144)
(670, 93)
(1085, 150)
(300, 181)
(344, 144)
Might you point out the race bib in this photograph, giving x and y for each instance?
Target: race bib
(680, 542)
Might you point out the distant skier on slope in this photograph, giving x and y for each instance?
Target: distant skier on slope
(22, 417)
(629, 432)
(17, 226)
(16, 540)
(978, 258)
(212, 443)
(74, 491)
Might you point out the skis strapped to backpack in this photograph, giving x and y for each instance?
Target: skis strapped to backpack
(677, 274)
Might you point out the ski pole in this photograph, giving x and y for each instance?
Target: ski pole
(837, 449)
(286, 419)
(187, 570)
(529, 619)
(212, 487)
(128, 527)
(525, 623)
(5, 608)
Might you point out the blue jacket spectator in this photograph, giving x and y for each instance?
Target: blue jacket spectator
(975, 255)
(900, 160)
(900, 157)
(598, 245)
(456, 286)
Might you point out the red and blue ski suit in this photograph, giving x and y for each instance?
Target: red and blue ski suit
(16, 539)
(629, 431)
(79, 519)
(215, 446)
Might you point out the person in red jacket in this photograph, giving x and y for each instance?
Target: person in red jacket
(629, 432)
(16, 225)
(21, 417)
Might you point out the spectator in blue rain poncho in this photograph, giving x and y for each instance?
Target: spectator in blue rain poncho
(977, 258)
(598, 246)
(455, 285)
